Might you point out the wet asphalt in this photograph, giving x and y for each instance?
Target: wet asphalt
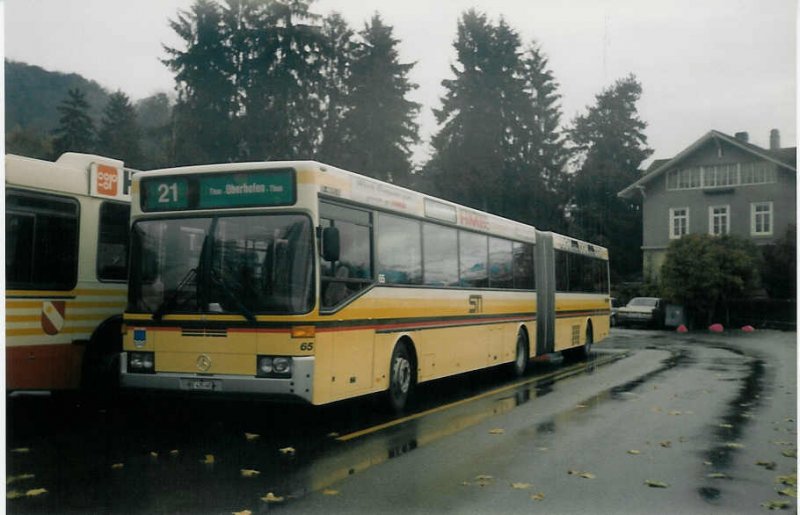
(653, 422)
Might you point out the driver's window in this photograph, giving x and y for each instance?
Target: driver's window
(352, 273)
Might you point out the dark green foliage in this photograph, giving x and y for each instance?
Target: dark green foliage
(75, 132)
(34, 94)
(154, 115)
(119, 135)
(779, 273)
(704, 272)
(336, 71)
(379, 125)
(498, 148)
(610, 143)
(29, 142)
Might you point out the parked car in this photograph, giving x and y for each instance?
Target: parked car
(615, 305)
(647, 311)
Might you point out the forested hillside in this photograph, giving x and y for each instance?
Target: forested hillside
(33, 93)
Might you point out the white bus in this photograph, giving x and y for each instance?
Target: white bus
(66, 270)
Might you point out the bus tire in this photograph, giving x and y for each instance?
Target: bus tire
(100, 366)
(586, 350)
(402, 377)
(521, 356)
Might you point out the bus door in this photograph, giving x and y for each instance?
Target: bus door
(545, 294)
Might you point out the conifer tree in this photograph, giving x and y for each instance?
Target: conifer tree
(204, 110)
(119, 135)
(611, 145)
(380, 125)
(337, 56)
(75, 132)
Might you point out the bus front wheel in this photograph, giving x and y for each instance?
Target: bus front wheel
(401, 377)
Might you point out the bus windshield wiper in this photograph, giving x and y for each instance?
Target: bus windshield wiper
(219, 281)
(158, 314)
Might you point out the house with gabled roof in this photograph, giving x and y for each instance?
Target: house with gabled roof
(719, 184)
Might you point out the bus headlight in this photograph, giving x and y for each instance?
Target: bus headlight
(274, 366)
(141, 362)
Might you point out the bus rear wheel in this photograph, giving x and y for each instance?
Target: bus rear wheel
(402, 378)
(521, 357)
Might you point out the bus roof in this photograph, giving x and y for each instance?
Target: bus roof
(80, 174)
(335, 182)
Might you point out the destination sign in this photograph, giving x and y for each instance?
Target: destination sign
(219, 191)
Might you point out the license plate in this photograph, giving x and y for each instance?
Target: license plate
(202, 385)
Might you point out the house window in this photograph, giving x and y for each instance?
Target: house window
(761, 219)
(719, 220)
(758, 173)
(720, 175)
(678, 222)
(685, 179)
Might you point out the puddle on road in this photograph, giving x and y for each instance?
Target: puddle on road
(733, 423)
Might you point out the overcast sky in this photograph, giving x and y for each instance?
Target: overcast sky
(728, 65)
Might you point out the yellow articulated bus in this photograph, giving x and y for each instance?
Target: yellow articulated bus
(66, 270)
(298, 279)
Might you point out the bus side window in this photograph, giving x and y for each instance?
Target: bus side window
(41, 241)
(352, 273)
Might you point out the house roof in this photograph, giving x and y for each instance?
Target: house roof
(785, 157)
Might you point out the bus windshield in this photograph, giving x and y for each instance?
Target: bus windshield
(222, 264)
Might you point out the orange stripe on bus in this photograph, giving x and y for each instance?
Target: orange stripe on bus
(34, 331)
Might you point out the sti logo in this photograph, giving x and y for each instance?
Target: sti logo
(107, 180)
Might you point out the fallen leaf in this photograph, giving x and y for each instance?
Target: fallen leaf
(585, 475)
(251, 436)
(776, 505)
(496, 431)
(153, 454)
(675, 413)
(333, 434)
(243, 512)
(789, 492)
(34, 492)
(117, 466)
(635, 452)
(174, 452)
(270, 497)
(521, 486)
(726, 426)
(208, 460)
(769, 465)
(20, 477)
(707, 463)
(21, 450)
(330, 491)
(14, 494)
(483, 480)
(790, 453)
(580, 406)
(288, 451)
(656, 484)
(718, 475)
(249, 472)
(734, 445)
(790, 480)
(665, 444)
(538, 497)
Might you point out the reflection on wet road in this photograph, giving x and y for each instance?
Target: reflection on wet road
(156, 455)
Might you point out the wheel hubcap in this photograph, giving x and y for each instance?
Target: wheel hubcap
(401, 374)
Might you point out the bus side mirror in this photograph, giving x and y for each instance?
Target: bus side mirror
(330, 244)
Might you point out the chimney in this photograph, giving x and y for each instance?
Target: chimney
(774, 139)
(742, 136)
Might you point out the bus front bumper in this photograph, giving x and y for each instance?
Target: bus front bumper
(298, 386)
